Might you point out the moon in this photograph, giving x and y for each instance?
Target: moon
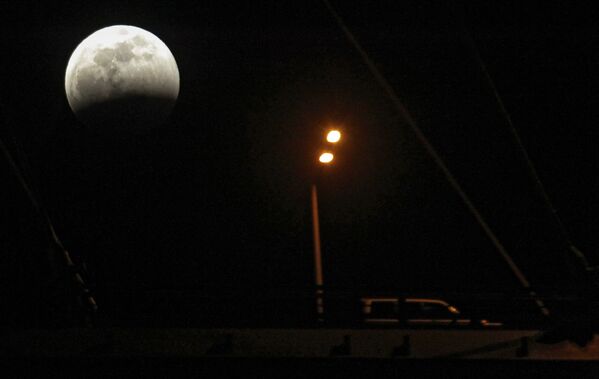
(122, 78)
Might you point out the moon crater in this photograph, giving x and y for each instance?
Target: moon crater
(122, 76)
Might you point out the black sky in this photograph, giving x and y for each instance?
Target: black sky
(219, 195)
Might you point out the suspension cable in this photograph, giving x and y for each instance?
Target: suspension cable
(41, 211)
(532, 171)
(402, 110)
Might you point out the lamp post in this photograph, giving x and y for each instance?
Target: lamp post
(325, 158)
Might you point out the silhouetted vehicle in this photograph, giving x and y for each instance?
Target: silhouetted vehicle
(416, 312)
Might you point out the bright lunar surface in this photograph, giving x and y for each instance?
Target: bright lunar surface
(122, 78)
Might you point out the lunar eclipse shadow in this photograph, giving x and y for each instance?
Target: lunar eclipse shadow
(126, 116)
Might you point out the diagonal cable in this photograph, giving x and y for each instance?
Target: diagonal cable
(39, 209)
(402, 110)
(532, 171)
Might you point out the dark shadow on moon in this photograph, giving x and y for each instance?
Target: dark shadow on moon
(126, 115)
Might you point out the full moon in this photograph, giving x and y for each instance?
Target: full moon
(122, 77)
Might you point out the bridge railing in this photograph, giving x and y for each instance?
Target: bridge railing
(227, 307)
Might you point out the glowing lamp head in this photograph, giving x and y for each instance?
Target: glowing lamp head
(326, 158)
(333, 136)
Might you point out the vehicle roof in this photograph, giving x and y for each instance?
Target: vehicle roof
(395, 299)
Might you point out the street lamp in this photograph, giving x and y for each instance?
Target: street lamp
(333, 136)
(326, 158)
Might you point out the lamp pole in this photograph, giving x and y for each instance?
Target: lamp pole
(332, 137)
(317, 254)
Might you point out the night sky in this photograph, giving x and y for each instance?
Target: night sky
(217, 198)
